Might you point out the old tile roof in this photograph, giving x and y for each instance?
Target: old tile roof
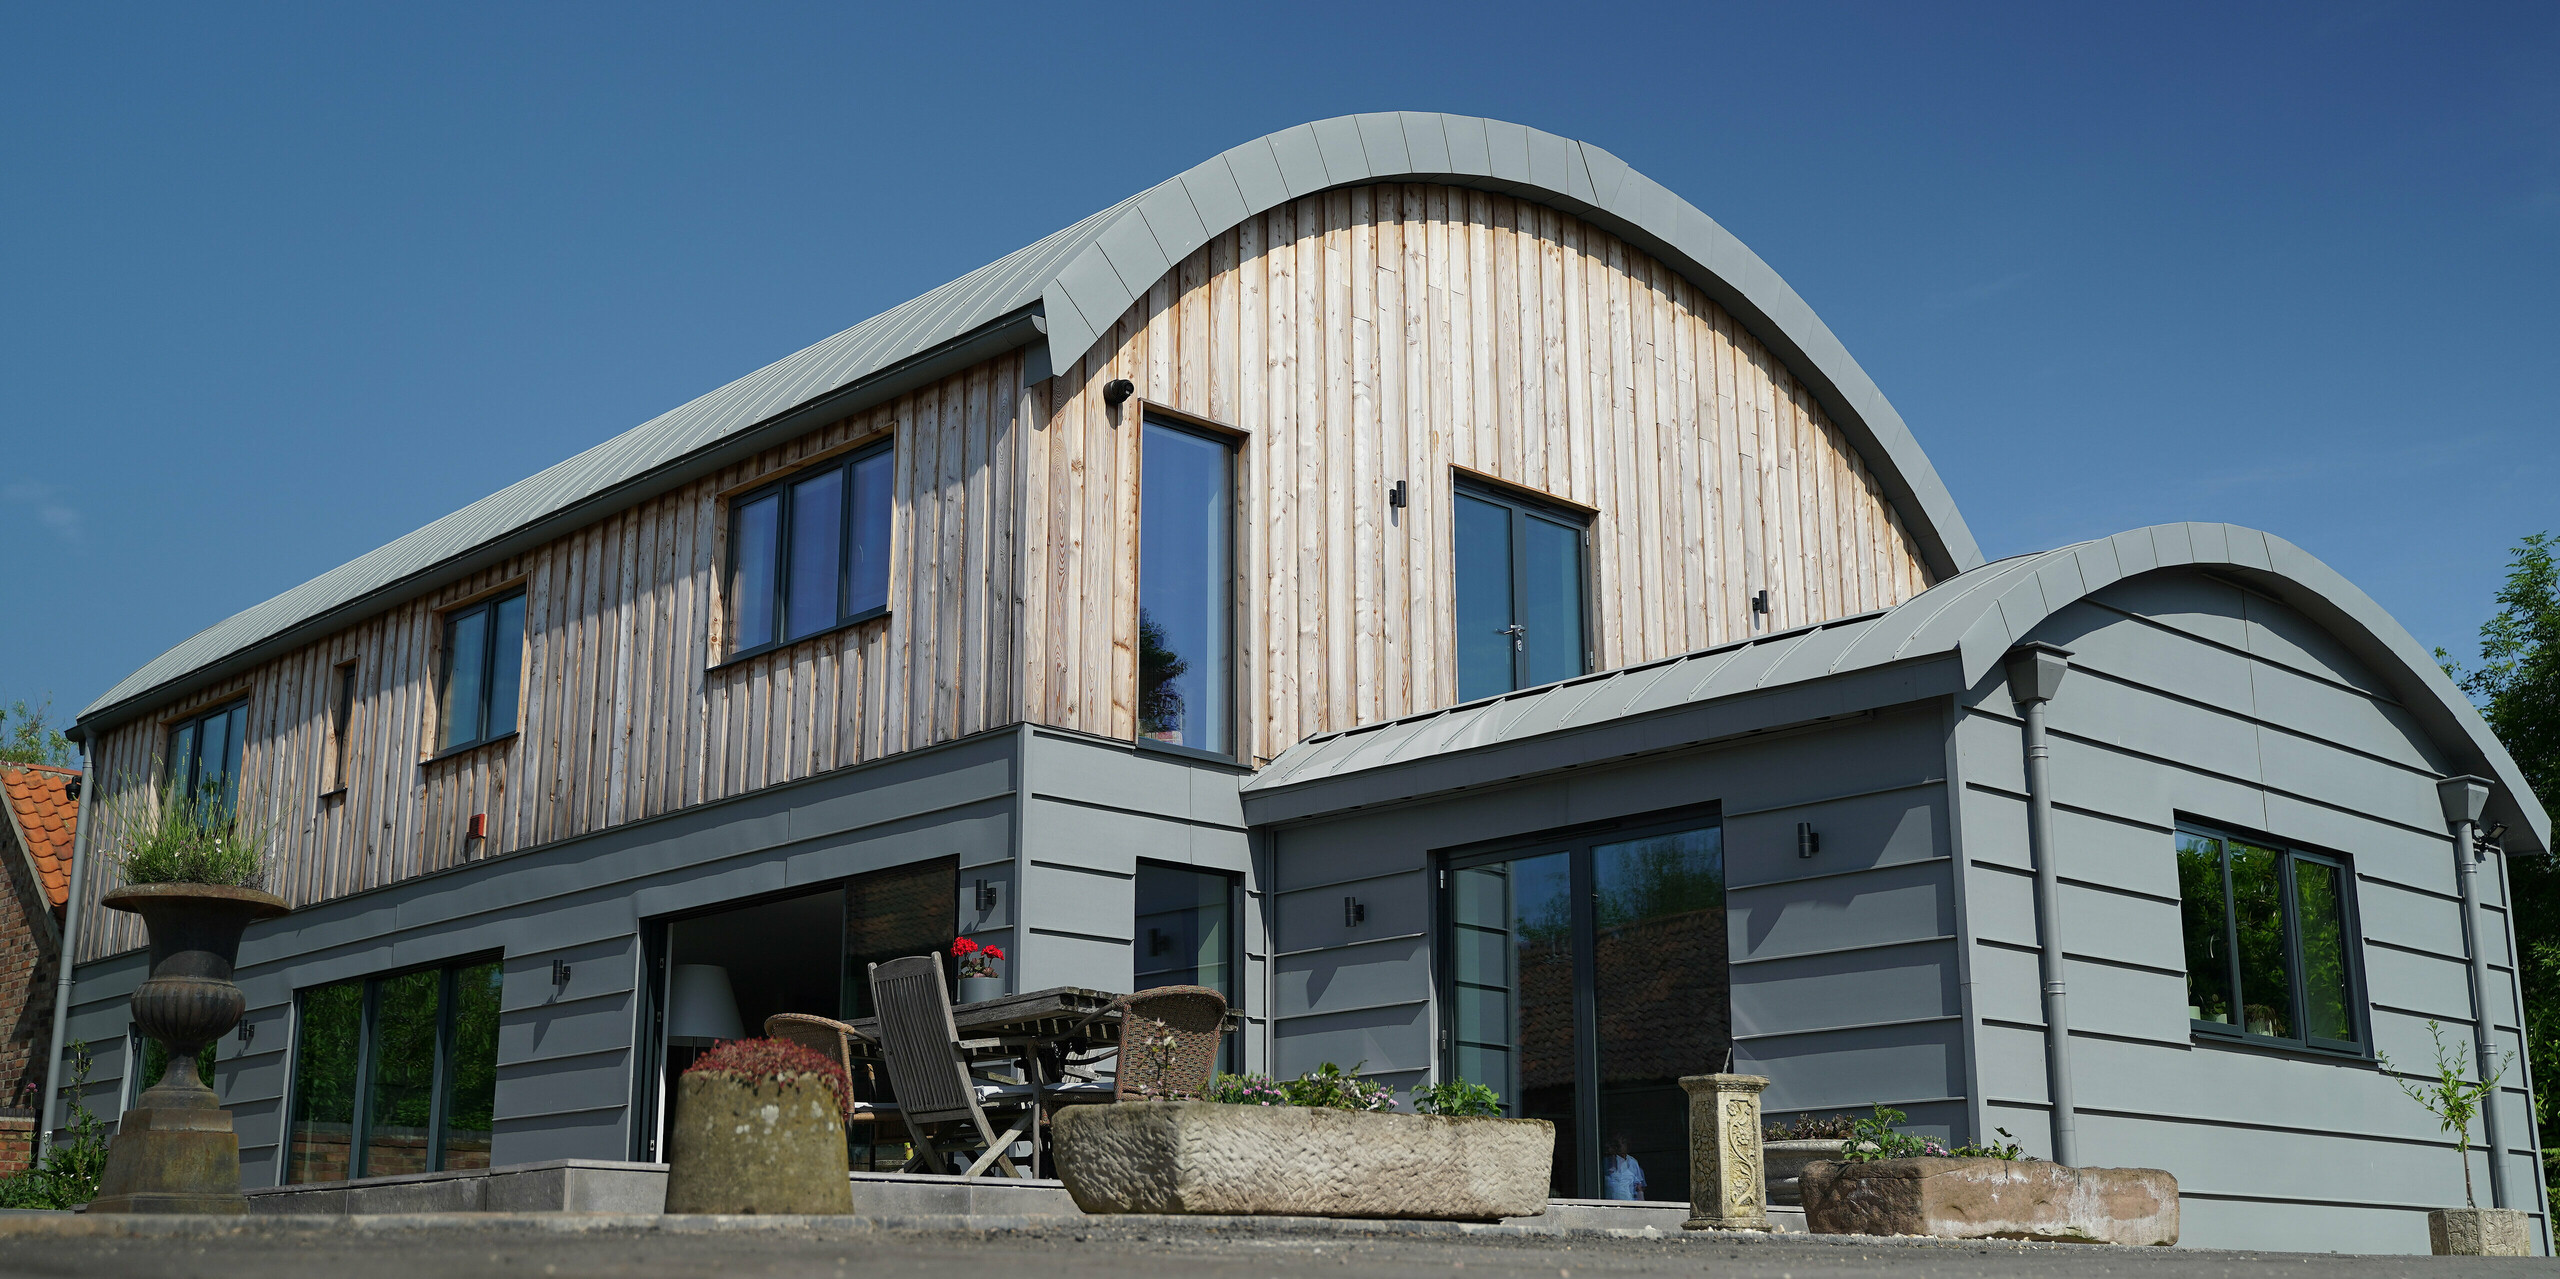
(46, 807)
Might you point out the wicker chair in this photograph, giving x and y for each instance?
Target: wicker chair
(1169, 1037)
(943, 1106)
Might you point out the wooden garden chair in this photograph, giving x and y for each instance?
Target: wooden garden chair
(920, 1044)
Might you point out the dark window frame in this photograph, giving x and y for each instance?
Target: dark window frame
(193, 727)
(780, 489)
(359, 1124)
(2359, 998)
(1231, 1045)
(1233, 441)
(1524, 507)
(486, 608)
(1576, 843)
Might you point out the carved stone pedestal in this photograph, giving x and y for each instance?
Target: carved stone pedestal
(173, 1157)
(1724, 1153)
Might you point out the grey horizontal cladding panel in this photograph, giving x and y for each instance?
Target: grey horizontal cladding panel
(1851, 1070)
(977, 835)
(2208, 609)
(2211, 1160)
(564, 1084)
(240, 1082)
(2321, 772)
(577, 1135)
(2281, 635)
(1899, 903)
(596, 966)
(980, 770)
(1090, 902)
(1310, 918)
(1118, 775)
(2419, 921)
(1895, 828)
(1846, 988)
(2432, 985)
(1387, 843)
(2095, 923)
(1095, 963)
(2008, 986)
(2420, 860)
(1344, 976)
(568, 1030)
(2344, 717)
(2152, 792)
(1107, 839)
(2293, 1227)
(2130, 718)
(1379, 1040)
(2110, 644)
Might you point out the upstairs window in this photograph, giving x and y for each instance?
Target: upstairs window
(1186, 590)
(810, 553)
(481, 671)
(204, 755)
(1520, 612)
(2270, 941)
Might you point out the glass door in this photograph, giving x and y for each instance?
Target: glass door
(1582, 978)
(1189, 933)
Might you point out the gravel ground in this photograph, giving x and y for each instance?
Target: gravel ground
(490, 1248)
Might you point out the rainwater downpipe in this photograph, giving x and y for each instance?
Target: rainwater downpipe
(2035, 674)
(63, 965)
(2464, 798)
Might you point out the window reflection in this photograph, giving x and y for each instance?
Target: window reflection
(1186, 571)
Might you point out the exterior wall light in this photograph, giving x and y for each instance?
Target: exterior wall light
(1117, 390)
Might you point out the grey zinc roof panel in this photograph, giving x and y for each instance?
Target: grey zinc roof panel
(1608, 174)
(1301, 161)
(1257, 174)
(1345, 160)
(1469, 152)
(1176, 223)
(1215, 197)
(1426, 142)
(1382, 140)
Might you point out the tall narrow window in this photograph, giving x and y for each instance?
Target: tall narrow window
(2270, 942)
(395, 1074)
(1583, 977)
(1188, 933)
(204, 755)
(810, 553)
(1186, 590)
(342, 730)
(1520, 598)
(482, 668)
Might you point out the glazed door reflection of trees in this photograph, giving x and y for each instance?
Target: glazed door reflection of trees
(1583, 978)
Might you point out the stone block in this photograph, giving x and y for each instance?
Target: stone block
(756, 1147)
(172, 1159)
(1992, 1199)
(1204, 1157)
(2480, 1232)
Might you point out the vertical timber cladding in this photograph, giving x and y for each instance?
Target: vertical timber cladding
(1367, 335)
(626, 713)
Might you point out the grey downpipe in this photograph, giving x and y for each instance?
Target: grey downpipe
(63, 965)
(2464, 798)
(2035, 674)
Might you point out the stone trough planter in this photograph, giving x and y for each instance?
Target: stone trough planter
(1783, 1164)
(1208, 1157)
(2480, 1232)
(1992, 1199)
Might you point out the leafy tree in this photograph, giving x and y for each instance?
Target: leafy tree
(2517, 687)
(25, 737)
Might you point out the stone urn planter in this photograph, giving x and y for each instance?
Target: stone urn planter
(758, 1129)
(175, 1151)
(1211, 1157)
(1783, 1164)
(1992, 1199)
(2479, 1232)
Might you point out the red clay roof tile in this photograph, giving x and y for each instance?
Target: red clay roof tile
(40, 796)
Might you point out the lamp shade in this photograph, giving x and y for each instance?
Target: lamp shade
(700, 1004)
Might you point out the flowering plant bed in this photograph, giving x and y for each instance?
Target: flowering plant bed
(975, 960)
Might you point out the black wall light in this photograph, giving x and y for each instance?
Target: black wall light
(1760, 602)
(1117, 390)
(986, 895)
(559, 973)
(1395, 496)
(1353, 912)
(1808, 840)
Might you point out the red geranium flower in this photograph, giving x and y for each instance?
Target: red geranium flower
(991, 952)
(964, 946)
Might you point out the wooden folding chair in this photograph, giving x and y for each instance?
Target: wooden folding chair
(920, 1044)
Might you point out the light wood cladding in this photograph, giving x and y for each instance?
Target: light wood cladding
(624, 713)
(1403, 332)
(1357, 338)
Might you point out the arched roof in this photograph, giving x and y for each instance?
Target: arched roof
(1058, 296)
(1977, 616)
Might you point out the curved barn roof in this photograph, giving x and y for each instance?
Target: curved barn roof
(1975, 617)
(1059, 295)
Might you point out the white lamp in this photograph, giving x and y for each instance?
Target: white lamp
(700, 1005)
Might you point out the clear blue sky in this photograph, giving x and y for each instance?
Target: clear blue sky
(278, 285)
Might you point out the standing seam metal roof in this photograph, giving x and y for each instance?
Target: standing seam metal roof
(1980, 615)
(1082, 279)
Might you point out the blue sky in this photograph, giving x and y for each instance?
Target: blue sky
(280, 284)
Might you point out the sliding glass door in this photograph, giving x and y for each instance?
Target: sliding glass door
(1581, 977)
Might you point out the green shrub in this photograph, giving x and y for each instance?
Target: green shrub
(1457, 1097)
(1330, 1087)
(1875, 1138)
(177, 838)
(68, 1177)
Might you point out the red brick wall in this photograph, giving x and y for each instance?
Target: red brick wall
(27, 954)
(17, 1141)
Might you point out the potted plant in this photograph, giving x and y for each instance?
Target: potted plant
(192, 867)
(758, 1129)
(1326, 1144)
(1891, 1182)
(2471, 1230)
(978, 976)
(1787, 1148)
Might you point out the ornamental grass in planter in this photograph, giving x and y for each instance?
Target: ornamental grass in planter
(1328, 1144)
(758, 1129)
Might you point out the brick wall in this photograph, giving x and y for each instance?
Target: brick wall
(27, 955)
(17, 1141)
